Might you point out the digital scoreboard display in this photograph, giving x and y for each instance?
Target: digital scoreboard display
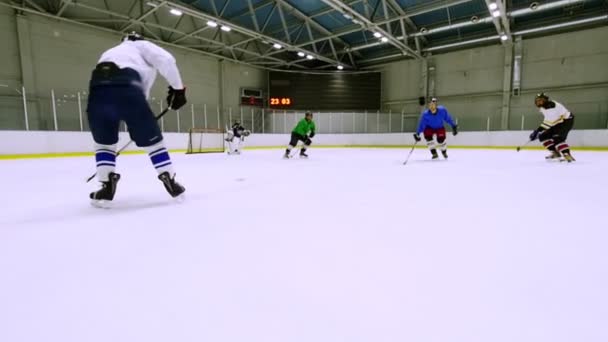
(338, 91)
(281, 101)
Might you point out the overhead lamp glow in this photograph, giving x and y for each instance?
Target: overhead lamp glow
(496, 14)
(211, 23)
(175, 11)
(347, 16)
(384, 39)
(377, 34)
(340, 67)
(493, 6)
(301, 54)
(277, 46)
(226, 28)
(504, 37)
(309, 57)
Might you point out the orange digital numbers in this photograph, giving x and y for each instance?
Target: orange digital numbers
(280, 101)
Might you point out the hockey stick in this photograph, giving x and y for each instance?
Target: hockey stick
(410, 154)
(520, 147)
(131, 141)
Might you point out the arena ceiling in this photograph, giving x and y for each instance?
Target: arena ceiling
(320, 35)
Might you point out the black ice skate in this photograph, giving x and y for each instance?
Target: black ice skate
(286, 155)
(303, 155)
(445, 154)
(434, 153)
(173, 188)
(553, 155)
(107, 191)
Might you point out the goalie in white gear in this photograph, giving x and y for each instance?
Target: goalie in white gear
(235, 138)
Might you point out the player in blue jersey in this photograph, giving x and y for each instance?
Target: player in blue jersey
(119, 88)
(431, 124)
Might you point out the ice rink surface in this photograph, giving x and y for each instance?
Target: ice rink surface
(349, 246)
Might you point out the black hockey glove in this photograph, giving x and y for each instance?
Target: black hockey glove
(176, 98)
(312, 134)
(534, 135)
(455, 130)
(417, 137)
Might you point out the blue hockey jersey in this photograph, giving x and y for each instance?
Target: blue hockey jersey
(434, 121)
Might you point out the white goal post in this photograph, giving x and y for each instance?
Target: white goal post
(205, 140)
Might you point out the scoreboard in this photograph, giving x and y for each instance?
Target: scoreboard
(333, 91)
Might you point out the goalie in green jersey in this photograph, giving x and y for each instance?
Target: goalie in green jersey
(304, 130)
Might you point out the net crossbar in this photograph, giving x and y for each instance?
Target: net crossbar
(205, 140)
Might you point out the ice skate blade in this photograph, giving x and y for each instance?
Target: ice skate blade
(181, 198)
(101, 204)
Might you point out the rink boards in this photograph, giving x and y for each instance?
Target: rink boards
(46, 144)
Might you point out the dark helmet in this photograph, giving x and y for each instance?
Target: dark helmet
(540, 96)
(308, 113)
(132, 36)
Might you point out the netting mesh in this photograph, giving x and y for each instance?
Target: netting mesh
(205, 140)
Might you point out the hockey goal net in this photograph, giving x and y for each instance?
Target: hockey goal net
(205, 140)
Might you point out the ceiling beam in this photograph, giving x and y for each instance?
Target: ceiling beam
(174, 30)
(341, 7)
(198, 13)
(506, 25)
(283, 23)
(143, 16)
(436, 5)
(113, 31)
(253, 16)
(495, 20)
(64, 6)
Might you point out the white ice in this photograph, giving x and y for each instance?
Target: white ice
(349, 245)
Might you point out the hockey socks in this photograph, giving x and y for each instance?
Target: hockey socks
(160, 158)
(105, 157)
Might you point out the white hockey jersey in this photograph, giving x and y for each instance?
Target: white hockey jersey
(555, 115)
(145, 58)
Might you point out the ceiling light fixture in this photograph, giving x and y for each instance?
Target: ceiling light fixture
(301, 54)
(225, 28)
(175, 11)
(377, 34)
(277, 46)
(504, 37)
(309, 57)
(211, 23)
(493, 6)
(340, 67)
(384, 39)
(496, 14)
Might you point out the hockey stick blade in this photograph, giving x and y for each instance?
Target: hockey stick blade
(131, 141)
(522, 146)
(410, 154)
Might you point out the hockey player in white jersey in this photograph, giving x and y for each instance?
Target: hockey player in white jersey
(235, 137)
(554, 130)
(118, 91)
